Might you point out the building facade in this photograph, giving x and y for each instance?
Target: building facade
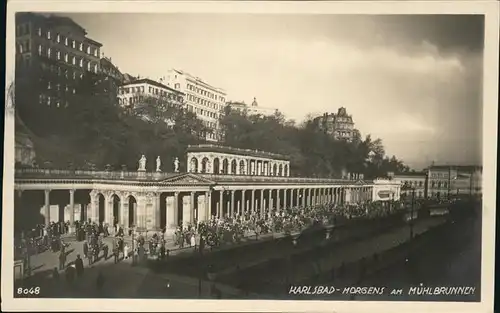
(340, 125)
(449, 180)
(201, 98)
(253, 109)
(417, 181)
(212, 159)
(52, 55)
(133, 93)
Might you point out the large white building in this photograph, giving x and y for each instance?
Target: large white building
(417, 181)
(134, 92)
(253, 109)
(205, 100)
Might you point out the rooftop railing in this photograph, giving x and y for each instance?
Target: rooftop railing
(236, 150)
(156, 176)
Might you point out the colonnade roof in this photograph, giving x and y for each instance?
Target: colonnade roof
(160, 178)
(209, 148)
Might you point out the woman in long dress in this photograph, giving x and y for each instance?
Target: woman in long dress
(125, 251)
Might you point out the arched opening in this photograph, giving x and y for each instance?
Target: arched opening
(204, 165)
(225, 166)
(132, 211)
(102, 212)
(242, 167)
(194, 165)
(286, 171)
(216, 166)
(116, 210)
(280, 170)
(275, 169)
(233, 167)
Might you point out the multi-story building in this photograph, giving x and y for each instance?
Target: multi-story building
(449, 180)
(205, 100)
(134, 92)
(340, 125)
(253, 109)
(416, 180)
(52, 55)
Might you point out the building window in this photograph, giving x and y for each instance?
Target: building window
(81, 62)
(66, 58)
(73, 60)
(89, 67)
(20, 48)
(66, 41)
(39, 30)
(58, 55)
(80, 47)
(40, 49)
(48, 34)
(58, 38)
(95, 68)
(96, 52)
(73, 44)
(49, 52)
(88, 49)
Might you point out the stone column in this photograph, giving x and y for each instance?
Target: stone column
(220, 208)
(71, 210)
(243, 202)
(124, 213)
(297, 197)
(47, 207)
(202, 210)
(208, 204)
(285, 201)
(108, 210)
(262, 192)
(252, 205)
(278, 200)
(170, 216)
(186, 210)
(192, 201)
(231, 210)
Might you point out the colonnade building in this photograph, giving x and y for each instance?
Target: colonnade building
(158, 200)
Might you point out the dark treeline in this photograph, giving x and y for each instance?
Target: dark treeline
(91, 131)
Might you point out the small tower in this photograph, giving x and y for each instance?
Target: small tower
(254, 103)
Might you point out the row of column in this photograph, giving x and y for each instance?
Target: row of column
(143, 209)
(238, 166)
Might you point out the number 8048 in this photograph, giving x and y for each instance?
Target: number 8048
(28, 291)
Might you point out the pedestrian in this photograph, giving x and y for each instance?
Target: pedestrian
(125, 252)
(116, 254)
(62, 260)
(79, 266)
(55, 274)
(85, 249)
(105, 251)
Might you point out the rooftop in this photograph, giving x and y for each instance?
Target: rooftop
(199, 80)
(238, 151)
(151, 82)
(467, 168)
(411, 174)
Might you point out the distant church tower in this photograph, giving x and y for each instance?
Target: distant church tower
(254, 103)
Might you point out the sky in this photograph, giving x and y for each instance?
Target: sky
(414, 81)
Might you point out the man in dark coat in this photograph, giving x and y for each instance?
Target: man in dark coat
(116, 253)
(105, 250)
(79, 266)
(62, 259)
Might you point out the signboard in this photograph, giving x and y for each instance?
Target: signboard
(384, 194)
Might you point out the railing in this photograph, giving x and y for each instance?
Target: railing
(55, 173)
(231, 149)
(264, 179)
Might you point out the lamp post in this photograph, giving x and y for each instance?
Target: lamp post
(405, 187)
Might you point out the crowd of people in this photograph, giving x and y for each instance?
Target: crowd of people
(220, 231)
